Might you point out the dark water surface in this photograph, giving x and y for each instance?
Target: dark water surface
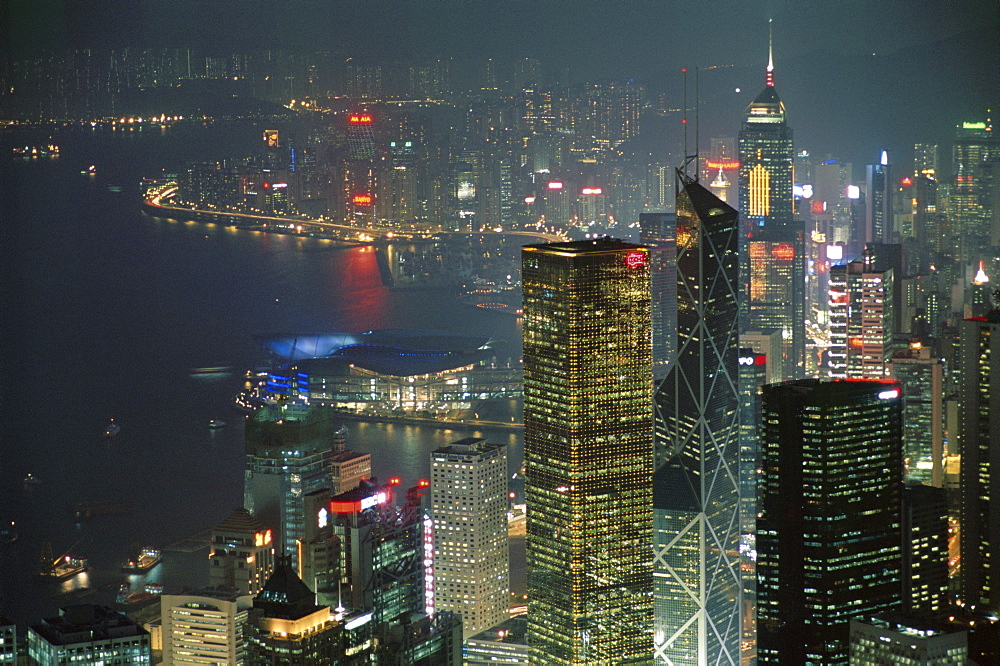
(106, 312)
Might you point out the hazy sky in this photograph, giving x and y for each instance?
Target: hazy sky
(884, 73)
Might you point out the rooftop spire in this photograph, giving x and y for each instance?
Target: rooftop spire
(770, 54)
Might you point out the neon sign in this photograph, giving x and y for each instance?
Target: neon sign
(555, 185)
(725, 165)
(362, 200)
(591, 190)
(784, 251)
(262, 538)
(757, 359)
(360, 119)
(635, 259)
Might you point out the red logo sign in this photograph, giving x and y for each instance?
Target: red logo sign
(360, 119)
(784, 252)
(635, 259)
(362, 200)
(725, 165)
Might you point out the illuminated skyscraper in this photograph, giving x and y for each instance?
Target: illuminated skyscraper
(828, 532)
(697, 528)
(979, 432)
(241, 555)
(471, 551)
(588, 452)
(975, 202)
(879, 225)
(765, 149)
(771, 245)
(922, 377)
(862, 321)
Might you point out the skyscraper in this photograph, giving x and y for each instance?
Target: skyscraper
(975, 203)
(204, 626)
(878, 201)
(471, 551)
(241, 555)
(979, 432)
(862, 321)
(828, 531)
(658, 232)
(588, 451)
(696, 551)
(765, 150)
(772, 247)
(922, 377)
(289, 454)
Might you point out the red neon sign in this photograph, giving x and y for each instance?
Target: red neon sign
(906, 181)
(360, 119)
(635, 259)
(784, 252)
(591, 190)
(725, 165)
(362, 200)
(760, 359)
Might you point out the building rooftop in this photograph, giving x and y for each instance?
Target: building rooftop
(86, 623)
(591, 246)
(240, 521)
(467, 446)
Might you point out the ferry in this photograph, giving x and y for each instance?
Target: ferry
(112, 429)
(216, 423)
(146, 560)
(150, 591)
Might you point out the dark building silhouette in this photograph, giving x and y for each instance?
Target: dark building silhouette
(828, 532)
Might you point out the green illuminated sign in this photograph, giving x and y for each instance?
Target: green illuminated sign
(973, 125)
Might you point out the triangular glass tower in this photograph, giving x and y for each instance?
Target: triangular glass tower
(697, 588)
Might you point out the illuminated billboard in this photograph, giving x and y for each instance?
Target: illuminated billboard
(725, 165)
(360, 119)
(271, 138)
(635, 259)
(591, 190)
(362, 199)
(555, 185)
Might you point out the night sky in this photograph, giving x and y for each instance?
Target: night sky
(856, 75)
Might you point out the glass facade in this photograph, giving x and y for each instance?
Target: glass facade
(828, 531)
(588, 452)
(697, 486)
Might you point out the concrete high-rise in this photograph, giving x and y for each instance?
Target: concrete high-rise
(588, 451)
(241, 554)
(471, 551)
(204, 626)
(697, 486)
(922, 377)
(979, 432)
(975, 202)
(828, 531)
(777, 282)
(862, 321)
(879, 188)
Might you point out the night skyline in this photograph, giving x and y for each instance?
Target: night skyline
(857, 77)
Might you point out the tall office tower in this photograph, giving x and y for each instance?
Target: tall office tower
(925, 159)
(204, 626)
(861, 313)
(287, 626)
(88, 634)
(696, 551)
(471, 552)
(765, 152)
(241, 555)
(894, 638)
(925, 548)
(828, 535)
(289, 454)
(776, 278)
(975, 201)
(658, 232)
(978, 434)
(588, 451)
(753, 375)
(349, 468)
(922, 377)
(878, 202)
(381, 551)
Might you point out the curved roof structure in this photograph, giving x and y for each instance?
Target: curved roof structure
(401, 353)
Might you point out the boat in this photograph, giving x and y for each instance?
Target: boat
(89, 171)
(60, 568)
(216, 423)
(150, 591)
(112, 429)
(146, 559)
(31, 479)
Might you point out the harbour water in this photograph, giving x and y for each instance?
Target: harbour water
(109, 313)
